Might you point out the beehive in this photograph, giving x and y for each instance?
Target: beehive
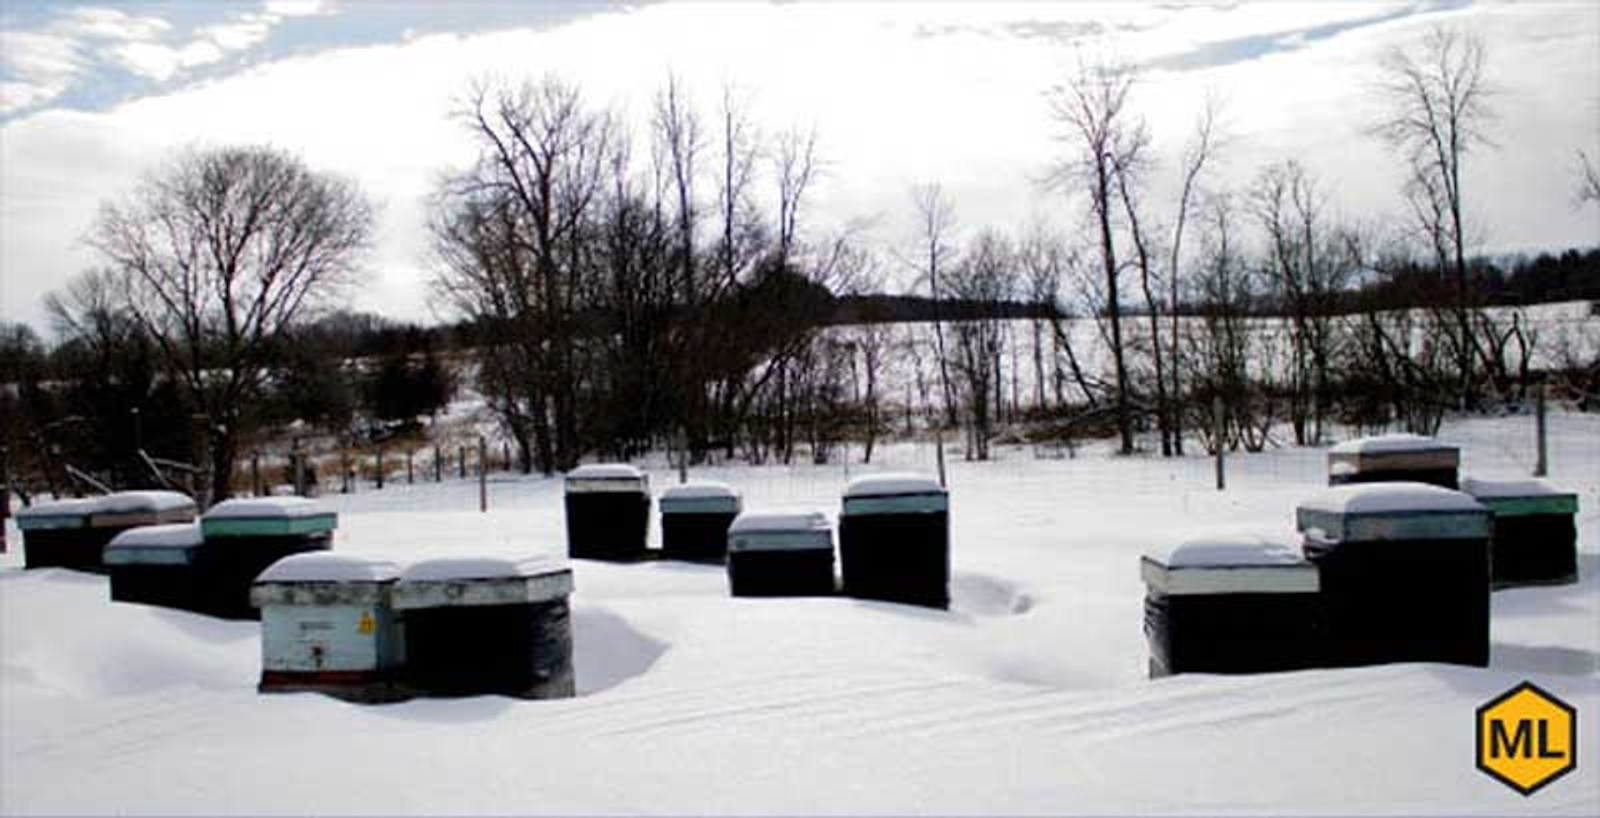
(245, 536)
(488, 626)
(695, 518)
(74, 533)
(894, 540)
(1535, 534)
(1404, 571)
(1394, 458)
(1236, 603)
(608, 512)
(157, 565)
(780, 554)
(328, 626)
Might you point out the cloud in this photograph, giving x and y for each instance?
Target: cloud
(893, 108)
(39, 67)
(297, 8)
(110, 24)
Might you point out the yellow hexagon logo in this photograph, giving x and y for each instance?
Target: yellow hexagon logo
(1527, 738)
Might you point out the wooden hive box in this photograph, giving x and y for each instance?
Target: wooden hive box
(894, 540)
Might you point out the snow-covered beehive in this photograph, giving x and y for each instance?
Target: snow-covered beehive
(74, 533)
(1230, 603)
(488, 626)
(1535, 535)
(1404, 571)
(157, 565)
(894, 539)
(328, 625)
(1394, 458)
(695, 518)
(788, 554)
(608, 511)
(245, 536)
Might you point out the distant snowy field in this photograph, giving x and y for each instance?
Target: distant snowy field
(1028, 697)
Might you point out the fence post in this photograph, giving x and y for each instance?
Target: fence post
(483, 473)
(682, 440)
(255, 473)
(438, 465)
(297, 469)
(409, 476)
(380, 466)
(938, 447)
(1541, 466)
(461, 454)
(1219, 421)
(505, 454)
(5, 494)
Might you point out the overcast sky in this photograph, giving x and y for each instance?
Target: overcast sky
(91, 96)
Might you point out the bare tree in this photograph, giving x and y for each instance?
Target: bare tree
(1588, 180)
(1196, 157)
(936, 220)
(794, 166)
(1438, 108)
(222, 250)
(1100, 130)
(512, 232)
(985, 276)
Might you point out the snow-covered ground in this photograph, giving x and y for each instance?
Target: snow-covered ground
(1028, 697)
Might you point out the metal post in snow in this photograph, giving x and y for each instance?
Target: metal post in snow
(255, 473)
(683, 456)
(938, 446)
(410, 477)
(438, 464)
(1221, 426)
(483, 473)
(380, 466)
(1541, 466)
(5, 494)
(461, 457)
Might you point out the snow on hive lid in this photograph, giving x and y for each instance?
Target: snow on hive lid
(605, 471)
(326, 566)
(176, 535)
(275, 508)
(451, 569)
(68, 507)
(126, 502)
(1389, 444)
(1389, 498)
(699, 490)
(1495, 489)
(1228, 548)
(752, 521)
(892, 484)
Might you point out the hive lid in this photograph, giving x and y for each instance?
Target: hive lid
(129, 502)
(892, 484)
(605, 471)
(451, 569)
(274, 508)
(326, 566)
(752, 521)
(1228, 549)
(176, 535)
(1389, 444)
(1389, 498)
(1502, 489)
(699, 490)
(67, 507)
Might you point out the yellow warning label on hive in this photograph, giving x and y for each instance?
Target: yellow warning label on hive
(1527, 738)
(367, 625)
